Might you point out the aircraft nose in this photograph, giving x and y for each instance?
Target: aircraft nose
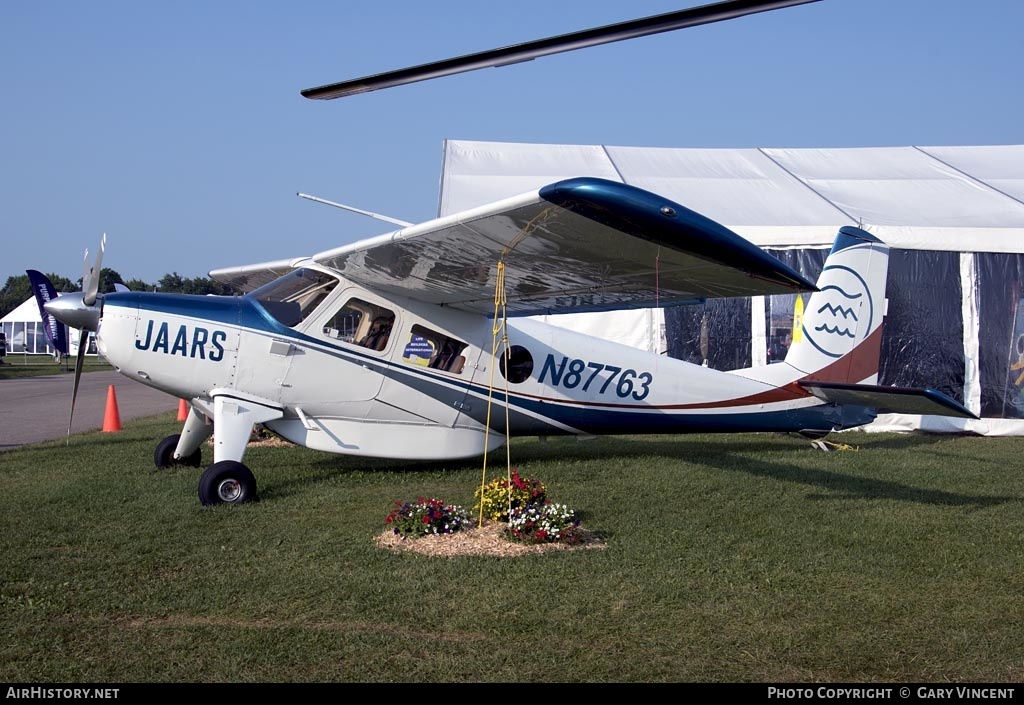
(72, 310)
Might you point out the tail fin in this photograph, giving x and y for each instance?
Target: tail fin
(841, 335)
(45, 292)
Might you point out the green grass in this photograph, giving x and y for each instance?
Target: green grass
(744, 558)
(17, 365)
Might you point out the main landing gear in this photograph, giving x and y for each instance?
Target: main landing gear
(227, 481)
(163, 457)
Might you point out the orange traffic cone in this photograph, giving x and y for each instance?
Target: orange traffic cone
(112, 417)
(182, 410)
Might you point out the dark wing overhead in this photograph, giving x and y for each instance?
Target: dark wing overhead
(680, 19)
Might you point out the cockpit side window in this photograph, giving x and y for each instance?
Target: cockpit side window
(361, 323)
(291, 298)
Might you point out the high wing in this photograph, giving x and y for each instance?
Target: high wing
(582, 244)
(252, 276)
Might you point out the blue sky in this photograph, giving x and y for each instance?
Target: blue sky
(178, 128)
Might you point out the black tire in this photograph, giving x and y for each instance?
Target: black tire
(227, 482)
(163, 456)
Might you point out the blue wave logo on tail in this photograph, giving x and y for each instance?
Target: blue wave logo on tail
(45, 292)
(844, 314)
(849, 316)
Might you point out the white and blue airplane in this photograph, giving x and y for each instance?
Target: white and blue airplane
(418, 344)
(399, 346)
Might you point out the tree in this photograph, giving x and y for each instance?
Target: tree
(61, 284)
(138, 285)
(15, 291)
(171, 283)
(175, 283)
(204, 285)
(18, 289)
(108, 277)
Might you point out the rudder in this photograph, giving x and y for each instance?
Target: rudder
(842, 322)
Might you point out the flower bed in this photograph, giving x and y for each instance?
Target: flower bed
(426, 517)
(515, 515)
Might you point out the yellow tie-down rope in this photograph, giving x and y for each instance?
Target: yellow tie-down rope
(830, 446)
(499, 327)
(500, 320)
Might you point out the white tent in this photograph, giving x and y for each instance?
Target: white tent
(23, 329)
(957, 209)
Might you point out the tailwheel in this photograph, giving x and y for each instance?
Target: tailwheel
(163, 457)
(227, 482)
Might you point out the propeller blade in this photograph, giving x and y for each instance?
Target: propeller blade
(86, 271)
(83, 343)
(680, 19)
(91, 288)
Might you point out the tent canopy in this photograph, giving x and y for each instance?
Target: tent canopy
(922, 198)
(25, 332)
(955, 214)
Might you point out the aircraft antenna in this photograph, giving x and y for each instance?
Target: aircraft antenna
(378, 216)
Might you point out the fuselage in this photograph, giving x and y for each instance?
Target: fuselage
(434, 384)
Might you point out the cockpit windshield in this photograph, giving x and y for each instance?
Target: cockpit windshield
(291, 298)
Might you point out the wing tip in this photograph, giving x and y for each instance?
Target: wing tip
(664, 222)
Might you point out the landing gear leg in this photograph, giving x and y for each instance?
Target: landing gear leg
(228, 480)
(184, 448)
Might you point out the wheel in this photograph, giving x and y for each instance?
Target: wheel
(227, 482)
(163, 457)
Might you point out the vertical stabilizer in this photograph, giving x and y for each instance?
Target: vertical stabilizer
(841, 335)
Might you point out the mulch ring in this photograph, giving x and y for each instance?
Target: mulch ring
(486, 540)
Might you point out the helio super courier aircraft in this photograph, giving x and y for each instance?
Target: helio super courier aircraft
(417, 344)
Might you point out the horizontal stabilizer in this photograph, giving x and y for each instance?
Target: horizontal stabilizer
(889, 400)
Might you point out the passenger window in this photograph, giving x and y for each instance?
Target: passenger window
(361, 323)
(428, 348)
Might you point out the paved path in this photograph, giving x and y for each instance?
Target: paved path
(34, 409)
